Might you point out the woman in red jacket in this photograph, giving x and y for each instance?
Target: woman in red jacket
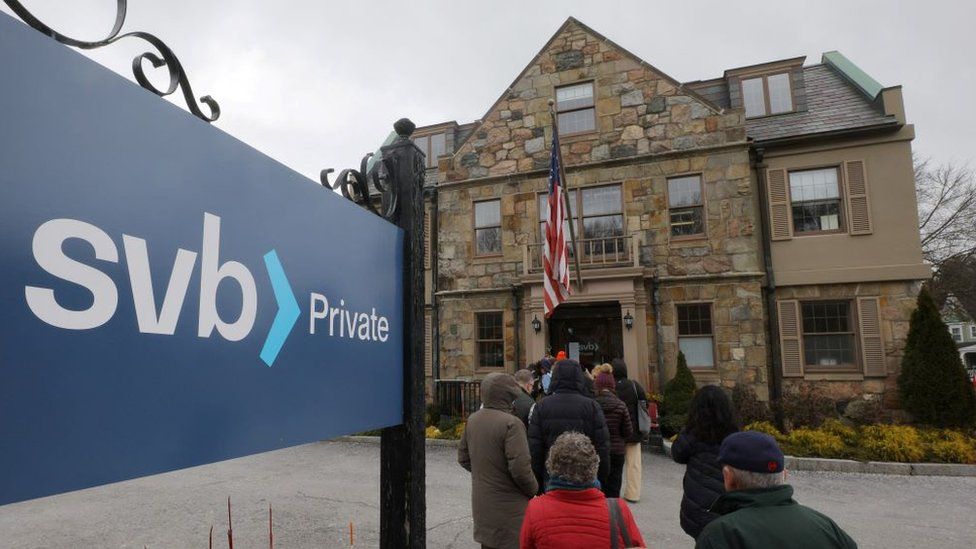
(573, 514)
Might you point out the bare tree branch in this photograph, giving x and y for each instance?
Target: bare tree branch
(946, 210)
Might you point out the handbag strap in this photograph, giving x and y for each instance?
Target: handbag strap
(617, 527)
(639, 394)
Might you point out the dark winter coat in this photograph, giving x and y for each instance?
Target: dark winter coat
(702, 484)
(566, 409)
(618, 421)
(769, 518)
(523, 405)
(629, 392)
(494, 448)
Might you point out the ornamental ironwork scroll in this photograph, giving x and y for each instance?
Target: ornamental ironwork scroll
(355, 184)
(165, 57)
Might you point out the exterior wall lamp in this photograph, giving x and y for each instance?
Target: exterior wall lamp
(628, 320)
(536, 325)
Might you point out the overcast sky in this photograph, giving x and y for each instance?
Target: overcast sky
(317, 83)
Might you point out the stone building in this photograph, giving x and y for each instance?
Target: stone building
(763, 222)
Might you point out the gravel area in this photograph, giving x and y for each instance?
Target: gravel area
(317, 490)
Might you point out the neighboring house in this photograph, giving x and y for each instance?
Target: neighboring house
(763, 222)
(962, 327)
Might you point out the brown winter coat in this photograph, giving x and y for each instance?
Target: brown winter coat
(496, 451)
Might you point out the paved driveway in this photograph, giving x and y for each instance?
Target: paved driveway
(316, 490)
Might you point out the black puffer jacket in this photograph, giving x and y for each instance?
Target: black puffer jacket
(628, 391)
(566, 409)
(702, 484)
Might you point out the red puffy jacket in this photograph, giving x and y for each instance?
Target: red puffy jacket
(570, 519)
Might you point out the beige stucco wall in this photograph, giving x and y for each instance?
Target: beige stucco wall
(891, 252)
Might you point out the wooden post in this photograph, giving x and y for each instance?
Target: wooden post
(402, 459)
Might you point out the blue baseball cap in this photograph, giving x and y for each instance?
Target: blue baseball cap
(751, 451)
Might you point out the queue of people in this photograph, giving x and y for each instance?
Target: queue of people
(550, 461)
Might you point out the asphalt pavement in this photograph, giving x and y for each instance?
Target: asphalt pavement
(317, 490)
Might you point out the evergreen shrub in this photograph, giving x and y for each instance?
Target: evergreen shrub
(933, 385)
(678, 393)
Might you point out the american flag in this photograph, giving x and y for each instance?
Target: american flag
(555, 252)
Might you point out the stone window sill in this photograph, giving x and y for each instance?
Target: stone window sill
(834, 376)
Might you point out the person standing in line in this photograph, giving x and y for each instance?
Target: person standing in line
(631, 393)
(524, 402)
(710, 420)
(619, 427)
(496, 452)
(566, 409)
(573, 513)
(758, 509)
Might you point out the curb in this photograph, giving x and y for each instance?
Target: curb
(376, 440)
(871, 467)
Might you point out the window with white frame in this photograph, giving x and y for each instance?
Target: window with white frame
(575, 108)
(816, 201)
(956, 333)
(686, 206)
(488, 227)
(695, 337)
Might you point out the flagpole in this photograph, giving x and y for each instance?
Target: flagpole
(562, 177)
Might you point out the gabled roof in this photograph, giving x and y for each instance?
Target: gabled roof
(573, 21)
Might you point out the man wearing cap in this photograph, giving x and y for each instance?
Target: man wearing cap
(757, 510)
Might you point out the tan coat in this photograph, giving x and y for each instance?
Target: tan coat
(495, 449)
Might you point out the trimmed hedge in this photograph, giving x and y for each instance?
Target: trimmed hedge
(902, 443)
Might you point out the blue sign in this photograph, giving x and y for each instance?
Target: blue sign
(169, 296)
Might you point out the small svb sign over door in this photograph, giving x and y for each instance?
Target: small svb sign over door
(169, 296)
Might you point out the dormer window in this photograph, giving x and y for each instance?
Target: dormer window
(767, 94)
(433, 146)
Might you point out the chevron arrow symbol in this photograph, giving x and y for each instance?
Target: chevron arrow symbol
(288, 310)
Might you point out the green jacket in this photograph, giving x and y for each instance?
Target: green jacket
(769, 518)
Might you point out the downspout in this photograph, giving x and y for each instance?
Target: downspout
(517, 307)
(775, 370)
(658, 331)
(435, 324)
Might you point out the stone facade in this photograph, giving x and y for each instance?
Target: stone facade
(896, 301)
(648, 128)
(638, 111)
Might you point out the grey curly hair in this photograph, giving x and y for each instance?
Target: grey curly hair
(573, 458)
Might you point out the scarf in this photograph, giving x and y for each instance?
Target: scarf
(559, 483)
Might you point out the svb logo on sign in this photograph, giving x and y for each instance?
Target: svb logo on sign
(48, 252)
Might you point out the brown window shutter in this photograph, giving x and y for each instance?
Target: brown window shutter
(789, 338)
(872, 343)
(858, 206)
(428, 351)
(780, 224)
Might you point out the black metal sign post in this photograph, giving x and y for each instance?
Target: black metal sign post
(403, 513)
(398, 181)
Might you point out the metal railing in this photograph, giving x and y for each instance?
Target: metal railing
(457, 398)
(614, 251)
